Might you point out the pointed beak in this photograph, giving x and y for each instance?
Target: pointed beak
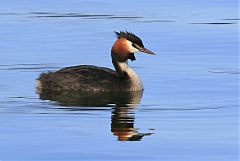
(144, 50)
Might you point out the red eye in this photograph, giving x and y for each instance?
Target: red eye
(134, 45)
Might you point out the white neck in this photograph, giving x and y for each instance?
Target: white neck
(122, 67)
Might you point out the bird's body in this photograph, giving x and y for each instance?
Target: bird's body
(77, 78)
(89, 78)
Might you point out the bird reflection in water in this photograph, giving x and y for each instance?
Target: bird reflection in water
(123, 109)
(123, 124)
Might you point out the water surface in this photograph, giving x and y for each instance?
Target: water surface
(188, 110)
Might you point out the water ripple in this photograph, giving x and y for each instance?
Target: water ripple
(188, 109)
(28, 67)
(231, 19)
(225, 71)
(213, 23)
(81, 15)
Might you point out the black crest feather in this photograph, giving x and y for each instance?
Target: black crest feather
(129, 36)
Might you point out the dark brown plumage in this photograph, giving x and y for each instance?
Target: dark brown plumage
(89, 78)
(78, 78)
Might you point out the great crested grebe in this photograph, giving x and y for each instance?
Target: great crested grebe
(89, 78)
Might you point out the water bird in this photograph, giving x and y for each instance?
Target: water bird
(90, 78)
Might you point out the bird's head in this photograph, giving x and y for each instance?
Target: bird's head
(126, 45)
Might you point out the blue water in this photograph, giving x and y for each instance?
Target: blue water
(189, 110)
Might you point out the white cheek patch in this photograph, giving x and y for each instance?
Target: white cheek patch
(131, 49)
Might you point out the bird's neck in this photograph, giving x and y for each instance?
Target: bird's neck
(122, 69)
(125, 72)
